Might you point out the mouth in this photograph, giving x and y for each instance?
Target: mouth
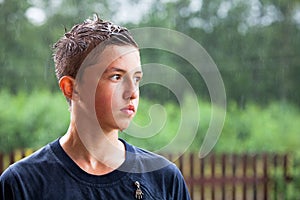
(128, 110)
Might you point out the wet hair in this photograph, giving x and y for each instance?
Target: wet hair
(71, 49)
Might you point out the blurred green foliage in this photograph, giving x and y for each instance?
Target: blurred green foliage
(32, 120)
(270, 128)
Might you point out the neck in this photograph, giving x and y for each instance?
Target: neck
(95, 153)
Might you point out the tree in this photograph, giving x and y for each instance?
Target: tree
(252, 42)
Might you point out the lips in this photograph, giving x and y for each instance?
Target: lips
(128, 110)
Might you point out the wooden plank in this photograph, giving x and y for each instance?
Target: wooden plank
(1, 163)
(223, 166)
(11, 158)
(265, 175)
(202, 166)
(191, 173)
(234, 160)
(213, 167)
(244, 160)
(275, 164)
(254, 185)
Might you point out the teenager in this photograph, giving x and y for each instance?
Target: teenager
(98, 68)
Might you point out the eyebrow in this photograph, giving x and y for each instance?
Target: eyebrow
(116, 69)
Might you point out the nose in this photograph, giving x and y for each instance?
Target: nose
(131, 89)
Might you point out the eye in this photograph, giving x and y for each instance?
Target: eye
(137, 79)
(116, 77)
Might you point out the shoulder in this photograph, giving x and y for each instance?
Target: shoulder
(19, 178)
(147, 161)
(152, 164)
(158, 177)
(30, 164)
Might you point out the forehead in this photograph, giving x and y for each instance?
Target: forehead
(125, 57)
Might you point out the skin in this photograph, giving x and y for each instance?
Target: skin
(100, 108)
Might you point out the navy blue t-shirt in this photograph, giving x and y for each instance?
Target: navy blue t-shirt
(51, 174)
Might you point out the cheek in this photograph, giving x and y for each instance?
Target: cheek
(102, 99)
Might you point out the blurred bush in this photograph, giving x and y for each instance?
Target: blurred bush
(269, 128)
(32, 120)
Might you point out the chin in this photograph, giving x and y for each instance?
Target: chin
(122, 128)
(124, 125)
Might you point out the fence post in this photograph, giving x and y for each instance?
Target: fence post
(11, 157)
(234, 160)
(275, 163)
(254, 168)
(202, 166)
(265, 175)
(223, 165)
(1, 163)
(213, 167)
(244, 159)
(180, 160)
(192, 174)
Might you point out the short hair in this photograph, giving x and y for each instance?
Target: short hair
(71, 49)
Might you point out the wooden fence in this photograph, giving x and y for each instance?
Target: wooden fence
(7, 159)
(235, 177)
(221, 177)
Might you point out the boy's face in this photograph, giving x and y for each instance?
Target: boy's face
(117, 90)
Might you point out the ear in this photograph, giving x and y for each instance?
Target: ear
(67, 86)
